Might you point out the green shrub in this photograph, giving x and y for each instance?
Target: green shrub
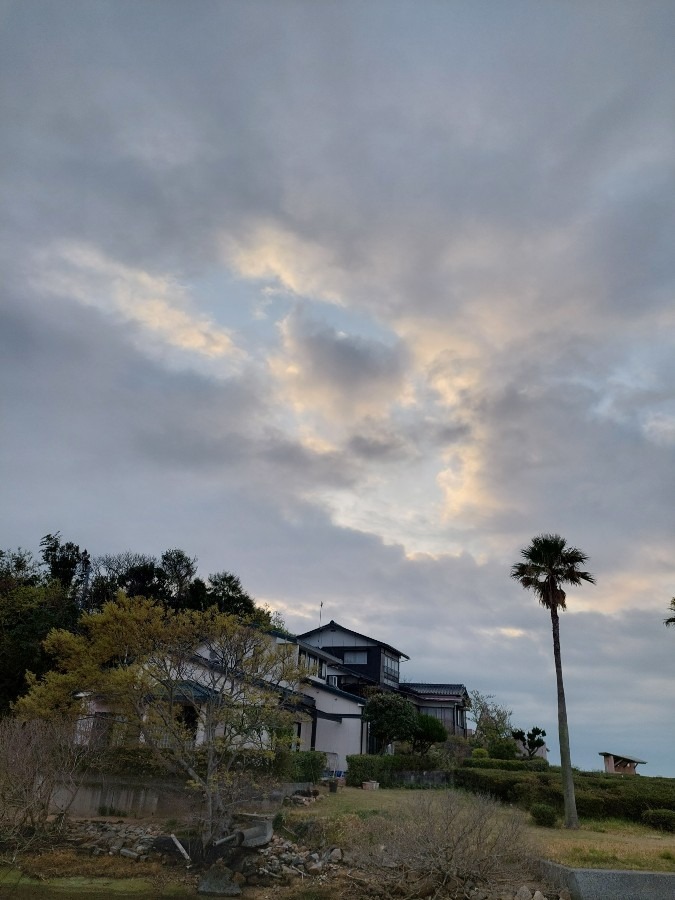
(308, 765)
(509, 765)
(479, 753)
(386, 769)
(544, 815)
(663, 819)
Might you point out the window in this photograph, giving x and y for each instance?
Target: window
(315, 665)
(444, 714)
(356, 657)
(390, 668)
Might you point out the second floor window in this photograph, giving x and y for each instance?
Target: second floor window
(390, 668)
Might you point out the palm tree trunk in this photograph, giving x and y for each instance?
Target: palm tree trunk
(571, 818)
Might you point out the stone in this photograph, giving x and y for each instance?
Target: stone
(564, 894)
(334, 855)
(129, 854)
(313, 868)
(523, 893)
(538, 896)
(217, 882)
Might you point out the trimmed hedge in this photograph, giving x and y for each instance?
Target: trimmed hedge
(510, 765)
(598, 795)
(385, 769)
(663, 819)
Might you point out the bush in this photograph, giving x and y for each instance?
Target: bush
(663, 819)
(543, 815)
(443, 842)
(308, 765)
(479, 753)
(386, 769)
(510, 765)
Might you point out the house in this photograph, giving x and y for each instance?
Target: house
(620, 764)
(446, 702)
(362, 663)
(332, 720)
(341, 666)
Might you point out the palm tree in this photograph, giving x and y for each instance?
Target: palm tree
(671, 619)
(548, 564)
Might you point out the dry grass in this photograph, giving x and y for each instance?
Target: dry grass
(68, 863)
(609, 844)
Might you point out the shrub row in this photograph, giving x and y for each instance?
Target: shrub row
(597, 795)
(538, 764)
(385, 769)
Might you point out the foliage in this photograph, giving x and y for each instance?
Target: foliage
(428, 731)
(532, 741)
(598, 795)
(491, 720)
(671, 619)
(479, 753)
(549, 563)
(502, 748)
(385, 769)
(663, 819)
(392, 717)
(308, 765)
(544, 815)
(68, 565)
(28, 612)
(168, 675)
(510, 765)
(444, 842)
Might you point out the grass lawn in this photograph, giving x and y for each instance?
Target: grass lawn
(609, 844)
(601, 844)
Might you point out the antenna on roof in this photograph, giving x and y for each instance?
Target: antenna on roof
(320, 612)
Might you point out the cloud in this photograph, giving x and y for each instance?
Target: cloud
(156, 304)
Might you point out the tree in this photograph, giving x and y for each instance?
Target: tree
(225, 590)
(68, 565)
(178, 572)
(428, 730)
(492, 721)
(392, 717)
(548, 563)
(532, 741)
(29, 610)
(204, 691)
(671, 619)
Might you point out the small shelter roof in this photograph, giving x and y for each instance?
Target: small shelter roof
(632, 759)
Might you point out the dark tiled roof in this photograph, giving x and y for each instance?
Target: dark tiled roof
(421, 687)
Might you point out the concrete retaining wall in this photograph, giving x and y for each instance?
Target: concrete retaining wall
(141, 797)
(609, 884)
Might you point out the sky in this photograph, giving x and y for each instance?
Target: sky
(353, 300)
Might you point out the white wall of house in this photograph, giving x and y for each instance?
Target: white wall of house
(340, 738)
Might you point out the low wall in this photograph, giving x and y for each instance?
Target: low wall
(609, 884)
(123, 795)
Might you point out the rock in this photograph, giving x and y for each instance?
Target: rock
(313, 868)
(217, 882)
(538, 896)
(523, 893)
(333, 855)
(564, 894)
(129, 854)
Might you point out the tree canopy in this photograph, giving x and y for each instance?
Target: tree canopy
(37, 595)
(392, 717)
